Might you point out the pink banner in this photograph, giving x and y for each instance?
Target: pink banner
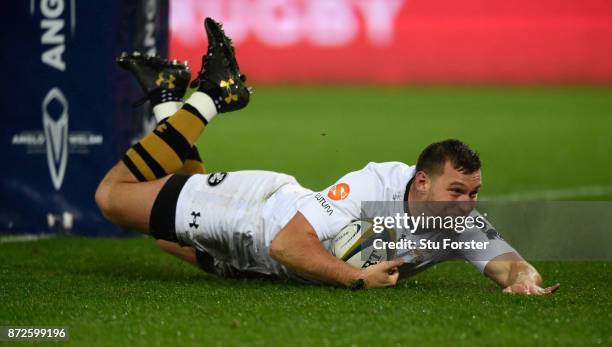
(406, 41)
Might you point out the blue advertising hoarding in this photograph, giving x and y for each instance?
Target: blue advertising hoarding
(66, 107)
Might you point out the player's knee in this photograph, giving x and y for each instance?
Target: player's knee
(102, 199)
(105, 202)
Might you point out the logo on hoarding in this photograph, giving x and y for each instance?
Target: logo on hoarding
(151, 8)
(56, 136)
(53, 40)
(146, 41)
(55, 141)
(283, 23)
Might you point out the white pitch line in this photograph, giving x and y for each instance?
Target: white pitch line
(25, 238)
(555, 194)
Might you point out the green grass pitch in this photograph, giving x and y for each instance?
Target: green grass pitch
(126, 292)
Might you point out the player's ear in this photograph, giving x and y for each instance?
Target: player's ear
(422, 182)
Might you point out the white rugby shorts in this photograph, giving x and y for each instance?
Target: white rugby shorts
(235, 215)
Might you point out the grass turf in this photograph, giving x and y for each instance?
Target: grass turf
(124, 292)
(530, 139)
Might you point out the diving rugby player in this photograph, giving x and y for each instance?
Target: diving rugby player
(259, 223)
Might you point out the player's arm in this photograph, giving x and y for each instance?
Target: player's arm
(297, 247)
(186, 253)
(516, 275)
(197, 258)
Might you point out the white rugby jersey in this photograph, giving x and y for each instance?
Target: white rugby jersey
(331, 209)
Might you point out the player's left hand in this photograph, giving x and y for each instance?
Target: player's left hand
(530, 288)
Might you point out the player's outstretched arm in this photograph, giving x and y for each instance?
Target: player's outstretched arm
(186, 253)
(298, 247)
(517, 276)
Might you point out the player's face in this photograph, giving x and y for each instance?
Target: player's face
(455, 186)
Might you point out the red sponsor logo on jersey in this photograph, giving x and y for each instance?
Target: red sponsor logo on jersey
(339, 191)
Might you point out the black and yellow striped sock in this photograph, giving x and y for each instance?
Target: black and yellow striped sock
(193, 163)
(165, 150)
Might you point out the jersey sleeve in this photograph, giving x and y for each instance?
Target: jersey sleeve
(496, 245)
(331, 209)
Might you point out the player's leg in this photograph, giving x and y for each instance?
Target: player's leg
(125, 201)
(128, 193)
(193, 164)
(193, 161)
(162, 111)
(164, 84)
(156, 155)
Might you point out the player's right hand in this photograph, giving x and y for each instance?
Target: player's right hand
(383, 274)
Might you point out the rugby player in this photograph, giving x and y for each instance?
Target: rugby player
(259, 223)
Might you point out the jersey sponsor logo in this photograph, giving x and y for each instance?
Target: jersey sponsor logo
(323, 202)
(339, 191)
(216, 178)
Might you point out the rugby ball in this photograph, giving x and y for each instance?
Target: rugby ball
(354, 244)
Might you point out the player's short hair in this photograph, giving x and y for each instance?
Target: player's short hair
(460, 155)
